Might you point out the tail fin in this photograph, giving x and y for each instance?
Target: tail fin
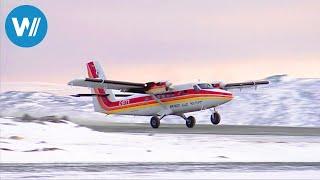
(95, 71)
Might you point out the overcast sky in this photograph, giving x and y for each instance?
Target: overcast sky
(174, 40)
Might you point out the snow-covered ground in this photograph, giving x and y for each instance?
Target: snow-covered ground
(286, 102)
(41, 141)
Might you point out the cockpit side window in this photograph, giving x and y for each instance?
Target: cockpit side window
(205, 86)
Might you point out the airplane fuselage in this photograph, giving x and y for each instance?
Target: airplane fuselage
(173, 102)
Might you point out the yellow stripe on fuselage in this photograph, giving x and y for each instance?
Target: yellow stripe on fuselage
(166, 103)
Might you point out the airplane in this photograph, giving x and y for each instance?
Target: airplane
(156, 99)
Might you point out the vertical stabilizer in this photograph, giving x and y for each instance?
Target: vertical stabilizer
(95, 71)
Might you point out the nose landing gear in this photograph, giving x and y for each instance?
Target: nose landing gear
(215, 118)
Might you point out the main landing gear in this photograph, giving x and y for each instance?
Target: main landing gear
(190, 121)
(155, 122)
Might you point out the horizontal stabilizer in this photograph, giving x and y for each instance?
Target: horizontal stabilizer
(90, 95)
(109, 84)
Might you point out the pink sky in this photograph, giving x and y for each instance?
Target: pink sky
(180, 41)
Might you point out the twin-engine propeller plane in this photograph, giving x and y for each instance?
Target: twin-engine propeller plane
(156, 99)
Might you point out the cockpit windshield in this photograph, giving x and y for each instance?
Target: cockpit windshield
(205, 86)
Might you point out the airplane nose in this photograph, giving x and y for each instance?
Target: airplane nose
(224, 96)
(228, 95)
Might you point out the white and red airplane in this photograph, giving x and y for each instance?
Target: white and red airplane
(156, 99)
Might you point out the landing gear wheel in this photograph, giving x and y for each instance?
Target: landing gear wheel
(155, 122)
(215, 118)
(190, 121)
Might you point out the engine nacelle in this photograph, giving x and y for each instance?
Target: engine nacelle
(157, 87)
(219, 85)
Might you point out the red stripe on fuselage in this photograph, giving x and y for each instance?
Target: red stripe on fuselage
(166, 97)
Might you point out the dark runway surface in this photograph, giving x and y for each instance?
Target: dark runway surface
(143, 170)
(208, 129)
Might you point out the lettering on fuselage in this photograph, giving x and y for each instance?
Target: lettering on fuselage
(124, 102)
(192, 103)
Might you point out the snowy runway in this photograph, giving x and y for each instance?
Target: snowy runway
(206, 129)
(220, 170)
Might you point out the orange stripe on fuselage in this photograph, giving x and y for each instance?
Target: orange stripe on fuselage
(144, 104)
(182, 100)
(164, 100)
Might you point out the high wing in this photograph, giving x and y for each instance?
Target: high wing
(110, 84)
(247, 84)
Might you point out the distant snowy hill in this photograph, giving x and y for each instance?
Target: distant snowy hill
(286, 101)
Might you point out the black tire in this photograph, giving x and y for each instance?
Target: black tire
(190, 121)
(155, 122)
(215, 118)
